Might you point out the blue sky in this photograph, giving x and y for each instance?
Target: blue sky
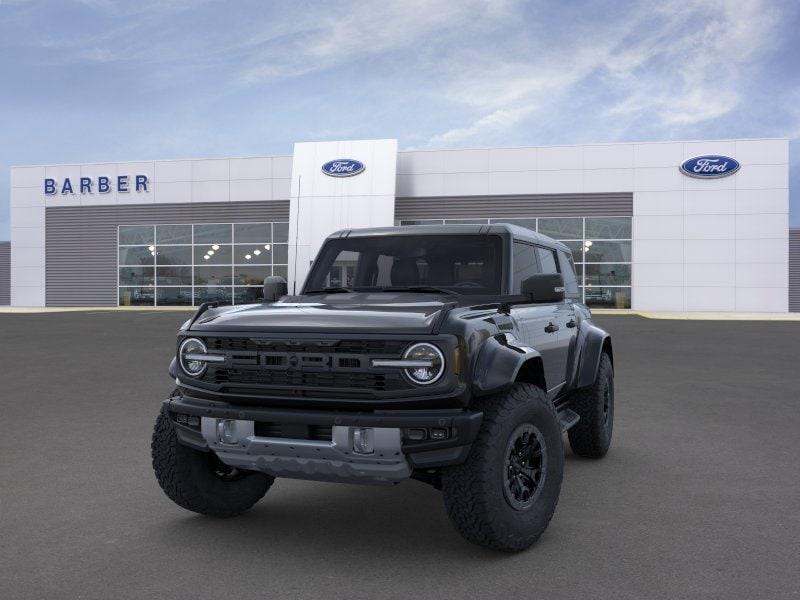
(97, 80)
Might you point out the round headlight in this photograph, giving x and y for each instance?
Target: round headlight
(195, 368)
(425, 353)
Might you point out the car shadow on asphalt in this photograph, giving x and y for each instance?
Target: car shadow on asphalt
(302, 517)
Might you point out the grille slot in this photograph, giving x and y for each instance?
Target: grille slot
(332, 379)
(372, 347)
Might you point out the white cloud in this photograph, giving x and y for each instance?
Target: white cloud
(675, 64)
(297, 44)
(498, 120)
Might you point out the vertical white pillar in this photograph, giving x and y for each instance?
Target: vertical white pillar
(321, 204)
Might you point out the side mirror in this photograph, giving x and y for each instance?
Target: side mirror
(274, 288)
(544, 287)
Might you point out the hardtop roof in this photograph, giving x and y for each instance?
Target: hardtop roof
(515, 231)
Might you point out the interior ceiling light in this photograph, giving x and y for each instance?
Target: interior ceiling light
(266, 246)
(256, 251)
(247, 256)
(151, 248)
(588, 243)
(215, 247)
(206, 257)
(211, 253)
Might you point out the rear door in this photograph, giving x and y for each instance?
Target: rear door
(536, 323)
(561, 313)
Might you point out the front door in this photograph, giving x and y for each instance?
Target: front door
(541, 326)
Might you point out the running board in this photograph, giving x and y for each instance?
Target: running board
(567, 419)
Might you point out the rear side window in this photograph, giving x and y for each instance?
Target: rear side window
(547, 259)
(571, 289)
(525, 264)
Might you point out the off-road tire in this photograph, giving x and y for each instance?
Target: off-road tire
(473, 491)
(188, 479)
(591, 436)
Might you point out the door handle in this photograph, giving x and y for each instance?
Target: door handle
(551, 328)
(571, 323)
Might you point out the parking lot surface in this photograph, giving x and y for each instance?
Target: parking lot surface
(699, 496)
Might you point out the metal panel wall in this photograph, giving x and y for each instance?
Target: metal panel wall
(81, 241)
(5, 273)
(547, 205)
(794, 270)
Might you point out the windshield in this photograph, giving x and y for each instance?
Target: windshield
(465, 264)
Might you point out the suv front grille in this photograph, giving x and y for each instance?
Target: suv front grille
(304, 367)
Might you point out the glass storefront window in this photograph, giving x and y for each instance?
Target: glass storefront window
(212, 254)
(616, 251)
(136, 276)
(607, 274)
(248, 295)
(608, 228)
(280, 232)
(221, 295)
(136, 296)
(136, 235)
(212, 234)
(606, 297)
(137, 255)
(562, 228)
(252, 254)
(174, 296)
(174, 255)
(174, 276)
(280, 254)
(256, 233)
(250, 275)
(173, 234)
(185, 264)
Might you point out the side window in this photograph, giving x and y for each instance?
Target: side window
(547, 258)
(571, 289)
(525, 264)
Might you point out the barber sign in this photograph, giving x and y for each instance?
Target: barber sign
(710, 166)
(343, 167)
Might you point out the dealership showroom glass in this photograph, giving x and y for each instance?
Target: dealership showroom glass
(661, 226)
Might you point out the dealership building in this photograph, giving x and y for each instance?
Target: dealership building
(666, 226)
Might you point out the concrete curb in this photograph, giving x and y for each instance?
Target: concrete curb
(702, 316)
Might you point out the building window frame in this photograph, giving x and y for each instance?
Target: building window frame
(276, 265)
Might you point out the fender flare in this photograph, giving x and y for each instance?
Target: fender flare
(593, 341)
(499, 363)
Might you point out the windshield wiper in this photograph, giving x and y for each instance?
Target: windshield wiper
(419, 288)
(331, 290)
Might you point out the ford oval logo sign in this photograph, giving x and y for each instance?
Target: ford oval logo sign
(343, 167)
(710, 166)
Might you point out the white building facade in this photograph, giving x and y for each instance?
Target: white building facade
(645, 233)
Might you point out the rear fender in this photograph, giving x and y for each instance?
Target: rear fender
(501, 361)
(592, 342)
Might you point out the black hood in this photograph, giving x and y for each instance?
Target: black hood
(398, 313)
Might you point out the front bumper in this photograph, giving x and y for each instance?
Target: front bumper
(395, 456)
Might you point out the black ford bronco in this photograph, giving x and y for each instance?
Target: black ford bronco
(455, 355)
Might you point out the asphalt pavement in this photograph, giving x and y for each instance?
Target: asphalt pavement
(699, 496)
